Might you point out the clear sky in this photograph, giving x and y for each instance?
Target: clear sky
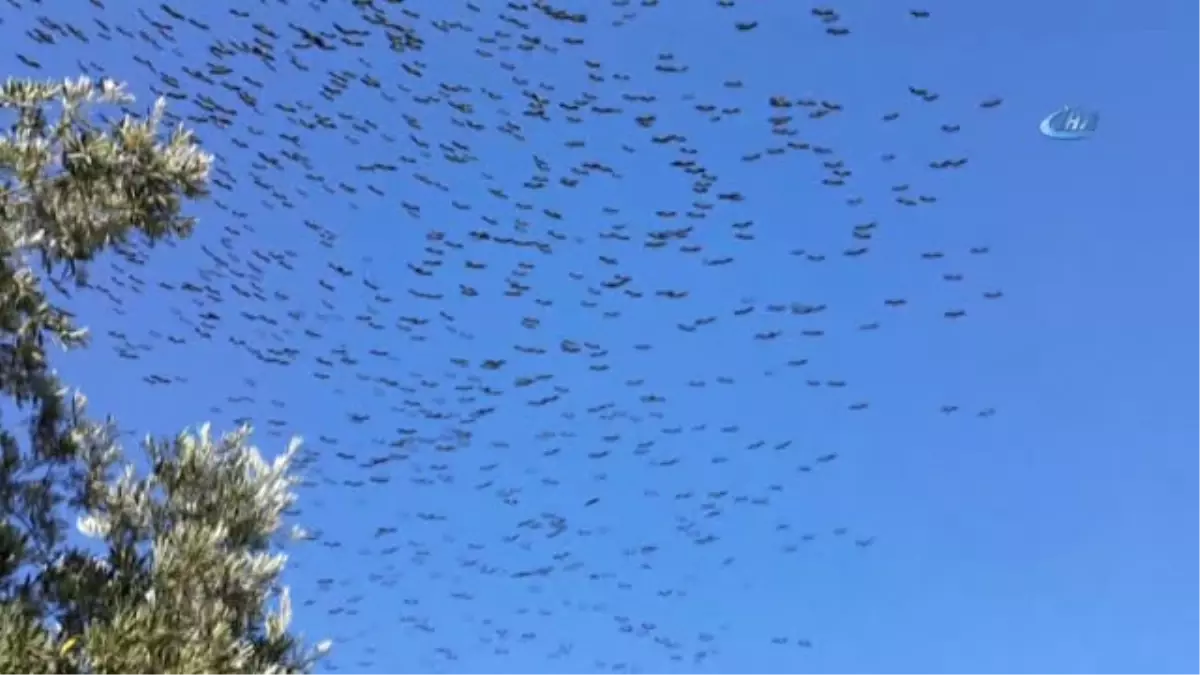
(1058, 533)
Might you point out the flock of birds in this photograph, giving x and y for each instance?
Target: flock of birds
(428, 251)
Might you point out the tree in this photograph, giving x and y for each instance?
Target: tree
(179, 567)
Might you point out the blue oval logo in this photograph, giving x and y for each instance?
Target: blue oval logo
(1069, 124)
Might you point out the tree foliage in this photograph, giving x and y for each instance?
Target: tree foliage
(174, 568)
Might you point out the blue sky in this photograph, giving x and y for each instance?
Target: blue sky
(1057, 535)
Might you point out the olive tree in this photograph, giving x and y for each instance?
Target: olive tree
(171, 568)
